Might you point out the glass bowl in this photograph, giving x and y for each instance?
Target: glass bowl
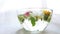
(34, 19)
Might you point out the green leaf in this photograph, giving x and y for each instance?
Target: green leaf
(49, 18)
(45, 17)
(32, 21)
(21, 18)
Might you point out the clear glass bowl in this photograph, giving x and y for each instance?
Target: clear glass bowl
(34, 19)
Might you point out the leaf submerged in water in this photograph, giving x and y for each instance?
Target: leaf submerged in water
(32, 21)
(49, 18)
(45, 17)
(21, 18)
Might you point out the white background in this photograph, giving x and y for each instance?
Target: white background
(18, 4)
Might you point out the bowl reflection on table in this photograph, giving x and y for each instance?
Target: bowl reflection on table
(23, 31)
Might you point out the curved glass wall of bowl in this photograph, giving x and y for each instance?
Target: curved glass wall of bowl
(34, 19)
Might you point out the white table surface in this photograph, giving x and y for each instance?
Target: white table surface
(9, 24)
